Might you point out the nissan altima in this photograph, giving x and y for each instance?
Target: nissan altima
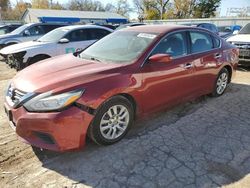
(56, 103)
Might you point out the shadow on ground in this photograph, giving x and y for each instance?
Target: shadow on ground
(204, 143)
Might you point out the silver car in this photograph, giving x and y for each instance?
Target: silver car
(27, 32)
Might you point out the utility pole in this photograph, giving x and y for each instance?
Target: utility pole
(51, 3)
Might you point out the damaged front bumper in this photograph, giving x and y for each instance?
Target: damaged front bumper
(15, 61)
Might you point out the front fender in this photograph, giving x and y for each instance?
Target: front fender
(98, 92)
(9, 41)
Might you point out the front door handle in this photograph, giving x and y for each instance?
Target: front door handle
(217, 56)
(188, 66)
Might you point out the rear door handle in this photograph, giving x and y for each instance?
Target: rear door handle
(217, 56)
(188, 66)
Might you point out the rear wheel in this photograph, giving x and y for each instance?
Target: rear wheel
(221, 83)
(112, 121)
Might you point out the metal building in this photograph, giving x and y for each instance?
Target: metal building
(48, 15)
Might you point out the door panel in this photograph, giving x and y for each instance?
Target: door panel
(207, 57)
(72, 47)
(206, 66)
(78, 39)
(171, 82)
(167, 84)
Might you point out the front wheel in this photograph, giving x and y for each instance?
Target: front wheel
(112, 121)
(221, 83)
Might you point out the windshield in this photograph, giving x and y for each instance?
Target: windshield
(119, 47)
(54, 35)
(20, 29)
(245, 29)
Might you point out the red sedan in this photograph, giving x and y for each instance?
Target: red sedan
(130, 73)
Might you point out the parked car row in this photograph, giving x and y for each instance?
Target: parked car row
(242, 41)
(67, 39)
(228, 31)
(99, 92)
(27, 32)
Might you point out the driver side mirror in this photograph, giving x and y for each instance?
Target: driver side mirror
(160, 58)
(26, 33)
(63, 41)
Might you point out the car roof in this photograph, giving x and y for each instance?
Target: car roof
(70, 27)
(134, 23)
(29, 24)
(156, 28)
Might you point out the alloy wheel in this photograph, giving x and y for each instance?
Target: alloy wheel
(222, 83)
(114, 122)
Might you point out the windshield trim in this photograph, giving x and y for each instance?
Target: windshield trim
(26, 26)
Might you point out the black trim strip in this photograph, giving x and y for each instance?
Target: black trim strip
(85, 108)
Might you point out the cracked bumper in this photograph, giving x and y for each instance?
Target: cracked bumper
(58, 131)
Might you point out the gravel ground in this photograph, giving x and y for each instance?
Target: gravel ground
(203, 143)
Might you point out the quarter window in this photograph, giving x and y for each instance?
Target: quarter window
(174, 45)
(96, 34)
(216, 43)
(200, 42)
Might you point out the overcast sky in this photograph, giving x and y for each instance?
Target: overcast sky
(224, 4)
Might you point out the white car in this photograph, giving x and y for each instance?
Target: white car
(68, 39)
(242, 41)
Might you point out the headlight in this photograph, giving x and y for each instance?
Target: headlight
(49, 102)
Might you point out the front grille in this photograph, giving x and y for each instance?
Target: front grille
(15, 95)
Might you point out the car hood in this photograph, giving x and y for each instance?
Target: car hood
(6, 36)
(239, 38)
(60, 73)
(23, 47)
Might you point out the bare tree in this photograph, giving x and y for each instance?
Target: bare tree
(86, 5)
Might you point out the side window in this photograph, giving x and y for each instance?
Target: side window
(48, 28)
(174, 45)
(200, 42)
(96, 34)
(36, 30)
(77, 35)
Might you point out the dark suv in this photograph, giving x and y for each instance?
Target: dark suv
(4, 29)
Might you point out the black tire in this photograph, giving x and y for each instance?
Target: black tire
(94, 130)
(215, 92)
